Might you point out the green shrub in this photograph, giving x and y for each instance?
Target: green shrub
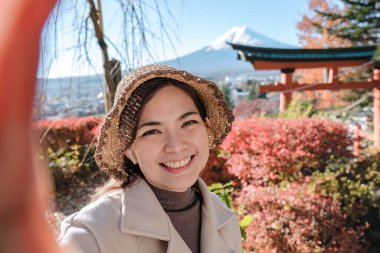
(299, 108)
(355, 183)
(69, 145)
(70, 165)
(224, 192)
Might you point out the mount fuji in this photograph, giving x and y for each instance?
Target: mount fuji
(219, 57)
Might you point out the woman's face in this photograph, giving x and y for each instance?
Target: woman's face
(171, 144)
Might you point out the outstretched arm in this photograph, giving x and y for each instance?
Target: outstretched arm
(23, 185)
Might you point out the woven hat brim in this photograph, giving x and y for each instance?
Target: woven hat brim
(109, 153)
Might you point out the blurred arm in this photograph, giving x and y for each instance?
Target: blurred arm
(22, 184)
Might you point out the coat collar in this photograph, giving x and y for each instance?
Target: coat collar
(143, 215)
(214, 216)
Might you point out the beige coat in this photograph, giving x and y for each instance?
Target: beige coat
(132, 220)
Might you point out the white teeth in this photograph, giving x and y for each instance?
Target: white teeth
(177, 164)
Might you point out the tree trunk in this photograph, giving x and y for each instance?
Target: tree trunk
(110, 85)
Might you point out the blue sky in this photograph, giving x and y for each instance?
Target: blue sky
(202, 21)
(198, 23)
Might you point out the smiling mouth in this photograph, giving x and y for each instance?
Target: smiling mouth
(177, 164)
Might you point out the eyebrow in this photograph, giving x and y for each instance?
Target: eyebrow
(156, 123)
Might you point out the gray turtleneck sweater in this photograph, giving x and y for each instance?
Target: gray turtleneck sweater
(184, 211)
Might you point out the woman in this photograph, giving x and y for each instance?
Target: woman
(154, 144)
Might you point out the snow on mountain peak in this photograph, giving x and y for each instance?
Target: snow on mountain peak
(219, 57)
(244, 35)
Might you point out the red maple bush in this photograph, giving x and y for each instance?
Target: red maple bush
(69, 145)
(62, 133)
(259, 151)
(216, 171)
(256, 107)
(294, 218)
(275, 161)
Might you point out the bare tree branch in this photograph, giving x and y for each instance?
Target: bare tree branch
(138, 32)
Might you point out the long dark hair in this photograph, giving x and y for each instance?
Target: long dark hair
(130, 117)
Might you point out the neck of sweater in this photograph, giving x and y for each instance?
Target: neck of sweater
(184, 211)
(175, 201)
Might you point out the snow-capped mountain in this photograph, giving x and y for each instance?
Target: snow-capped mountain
(219, 57)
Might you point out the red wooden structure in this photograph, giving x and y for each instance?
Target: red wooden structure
(288, 60)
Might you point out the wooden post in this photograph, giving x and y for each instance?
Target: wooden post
(285, 99)
(376, 110)
(332, 78)
(357, 139)
(286, 80)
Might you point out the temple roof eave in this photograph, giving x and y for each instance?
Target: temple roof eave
(302, 58)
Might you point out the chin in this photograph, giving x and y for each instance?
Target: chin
(182, 185)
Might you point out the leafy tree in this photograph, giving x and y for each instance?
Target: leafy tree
(359, 22)
(311, 37)
(253, 91)
(226, 90)
(319, 29)
(313, 28)
(299, 108)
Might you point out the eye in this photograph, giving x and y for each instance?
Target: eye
(150, 132)
(189, 122)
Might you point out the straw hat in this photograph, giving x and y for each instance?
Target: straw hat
(109, 154)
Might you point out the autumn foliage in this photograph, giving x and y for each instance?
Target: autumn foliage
(215, 171)
(294, 218)
(312, 37)
(256, 107)
(61, 133)
(308, 34)
(275, 161)
(260, 151)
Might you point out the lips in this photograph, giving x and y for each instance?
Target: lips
(177, 166)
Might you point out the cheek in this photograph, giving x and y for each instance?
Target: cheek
(203, 134)
(146, 162)
(200, 137)
(203, 150)
(143, 152)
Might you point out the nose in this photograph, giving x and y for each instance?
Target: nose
(175, 142)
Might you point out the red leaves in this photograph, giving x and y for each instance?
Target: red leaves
(273, 159)
(64, 132)
(264, 150)
(293, 218)
(258, 107)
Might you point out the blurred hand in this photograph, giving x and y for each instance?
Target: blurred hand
(23, 184)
